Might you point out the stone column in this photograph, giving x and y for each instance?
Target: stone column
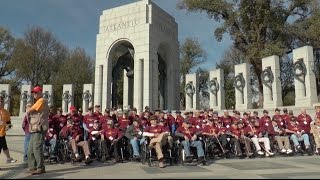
(125, 89)
(5, 92)
(25, 98)
(305, 86)
(243, 95)
(107, 85)
(272, 93)
(47, 91)
(98, 85)
(192, 102)
(138, 84)
(87, 97)
(155, 83)
(216, 87)
(67, 98)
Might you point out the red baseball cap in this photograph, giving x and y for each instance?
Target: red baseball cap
(36, 89)
(72, 108)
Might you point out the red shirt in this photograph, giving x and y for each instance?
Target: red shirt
(294, 127)
(60, 121)
(280, 121)
(124, 122)
(210, 129)
(179, 120)
(196, 121)
(304, 122)
(171, 120)
(267, 127)
(72, 131)
(286, 118)
(25, 124)
(91, 136)
(226, 120)
(235, 119)
(111, 132)
(189, 132)
(89, 119)
(255, 130)
(50, 133)
(235, 131)
(263, 119)
(154, 129)
(76, 118)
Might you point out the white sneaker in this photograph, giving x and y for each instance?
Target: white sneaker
(267, 155)
(260, 152)
(270, 153)
(283, 150)
(289, 151)
(11, 161)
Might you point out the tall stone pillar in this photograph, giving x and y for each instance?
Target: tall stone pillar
(47, 92)
(125, 89)
(67, 98)
(272, 93)
(138, 83)
(5, 91)
(304, 77)
(192, 91)
(25, 98)
(98, 84)
(216, 87)
(87, 97)
(156, 99)
(243, 87)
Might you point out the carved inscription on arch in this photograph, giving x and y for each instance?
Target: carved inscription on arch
(121, 25)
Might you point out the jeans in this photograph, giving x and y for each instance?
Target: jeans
(173, 128)
(53, 143)
(197, 144)
(304, 138)
(26, 144)
(135, 143)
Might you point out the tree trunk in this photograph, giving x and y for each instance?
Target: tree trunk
(257, 69)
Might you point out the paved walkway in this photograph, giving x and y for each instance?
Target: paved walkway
(279, 167)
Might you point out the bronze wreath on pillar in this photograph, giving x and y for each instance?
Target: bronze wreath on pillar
(214, 86)
(86, 96)
(4, 95)
(267, 77)
(24, 96)
(190, 89)
(66, 96)
(239, 82)
(299, 66)
(46, 95)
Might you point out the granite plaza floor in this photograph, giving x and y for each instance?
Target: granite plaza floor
(262, 168)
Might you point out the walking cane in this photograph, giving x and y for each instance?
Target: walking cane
(220, 144)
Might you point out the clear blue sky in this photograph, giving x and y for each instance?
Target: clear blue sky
(75, 22)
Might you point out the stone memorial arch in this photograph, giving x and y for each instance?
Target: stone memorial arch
(137, 51)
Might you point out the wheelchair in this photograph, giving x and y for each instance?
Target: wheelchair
(213, 149)
(181, 154)
(149, 155)
(63, 151)
(303, 149)
(47, 153)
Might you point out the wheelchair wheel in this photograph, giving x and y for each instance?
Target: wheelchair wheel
(144, 153)
(101, 152)
(62, 153)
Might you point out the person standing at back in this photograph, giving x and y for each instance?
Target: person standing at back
(27, 135)
(39, 124)
(5, 124)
